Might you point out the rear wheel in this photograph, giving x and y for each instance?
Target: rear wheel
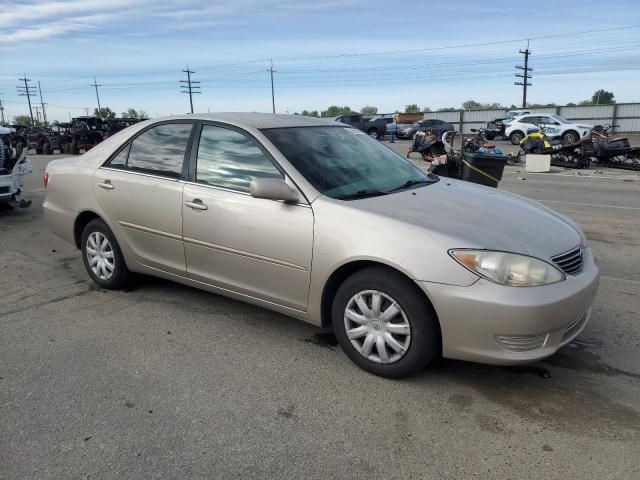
(46, 148)
(73, 148)
(384, 324)
(102, 256)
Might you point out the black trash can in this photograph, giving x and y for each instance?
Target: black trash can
(483, 168)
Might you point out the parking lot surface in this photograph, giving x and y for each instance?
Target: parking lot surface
(165, 381)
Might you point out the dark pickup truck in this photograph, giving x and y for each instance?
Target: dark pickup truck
(375, 127)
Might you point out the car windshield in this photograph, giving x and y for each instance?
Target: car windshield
(343, 162)
(560, 119)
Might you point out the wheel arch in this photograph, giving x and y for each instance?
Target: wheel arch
(344, 271)
(80, 223)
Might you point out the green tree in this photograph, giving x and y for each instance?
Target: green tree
(104, 113)
(602, 97)
(447, 109)
(571, 104)
(369, 110)
(541, 105)
(412, 108)
(473, 105)
(22, 120)
(426, 109)
(334, 111)
(312, 113)
(142, 115)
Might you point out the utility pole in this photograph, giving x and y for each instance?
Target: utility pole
(2, 112)
(191, 86)
(524, 75)
(273, 98)
(95, 85)
(37, 114)
(44, 112)
(27, 91)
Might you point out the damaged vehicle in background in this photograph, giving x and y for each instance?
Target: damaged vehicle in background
(13, 167)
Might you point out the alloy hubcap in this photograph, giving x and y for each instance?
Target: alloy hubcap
(100, 256)
(377, 326)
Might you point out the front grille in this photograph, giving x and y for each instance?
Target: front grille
(521, 343)
(571, 262)
(4, 189)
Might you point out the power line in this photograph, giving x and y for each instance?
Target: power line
(191, 86)
(1, 112)
(95, 84)
(524, 75)
(26, 91)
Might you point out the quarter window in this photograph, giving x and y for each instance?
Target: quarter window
(159, 150)
(120, 160)
(230, 159)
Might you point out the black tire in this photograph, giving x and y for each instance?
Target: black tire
(515, 137)
(490, 136)
(373, 132)
(425, 341)
(46, 148)
(73, 148)
(66, 148)
(121, 276)
(570, 137)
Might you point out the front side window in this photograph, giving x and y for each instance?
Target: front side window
(230, 159)
(341, 162)
(160, 150)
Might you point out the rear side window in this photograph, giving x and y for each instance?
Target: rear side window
(230, 159)
(158, 151)
(529, 120)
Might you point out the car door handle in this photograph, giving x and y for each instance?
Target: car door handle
(196, 204)
(106, 185)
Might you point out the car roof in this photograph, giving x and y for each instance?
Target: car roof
(255, 120)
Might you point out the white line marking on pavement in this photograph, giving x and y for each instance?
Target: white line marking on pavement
(621, 279)
(598, 205)
(38, 190)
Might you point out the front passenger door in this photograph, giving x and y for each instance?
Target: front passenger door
(256, 247)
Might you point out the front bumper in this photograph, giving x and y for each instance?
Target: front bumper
(490, 323)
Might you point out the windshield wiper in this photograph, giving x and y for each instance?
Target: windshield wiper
(362, 194)
(408, 184)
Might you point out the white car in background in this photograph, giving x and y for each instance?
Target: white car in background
(554, 126)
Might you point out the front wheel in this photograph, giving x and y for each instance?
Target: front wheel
(515, 137)
(384, 324)
(102, 256)
(570, 138)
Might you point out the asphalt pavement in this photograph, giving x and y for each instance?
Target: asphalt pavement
(166, 381)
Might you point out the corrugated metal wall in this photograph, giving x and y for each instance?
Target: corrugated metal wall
(626, 116)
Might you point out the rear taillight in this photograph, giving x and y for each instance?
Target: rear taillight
(45, 179)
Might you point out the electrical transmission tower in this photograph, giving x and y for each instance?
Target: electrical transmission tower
(191, 86)
(524, 75)
(44, 112)
(273, 97)
(27, 90)
(96, 85)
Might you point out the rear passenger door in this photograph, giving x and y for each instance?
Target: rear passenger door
(140, 190)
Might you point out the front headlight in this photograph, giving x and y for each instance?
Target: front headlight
(508, 269)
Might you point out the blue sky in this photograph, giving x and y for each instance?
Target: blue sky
(346, 52)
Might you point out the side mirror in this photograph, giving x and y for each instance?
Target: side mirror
(273, 189)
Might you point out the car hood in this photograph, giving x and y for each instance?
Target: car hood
(473, 216)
